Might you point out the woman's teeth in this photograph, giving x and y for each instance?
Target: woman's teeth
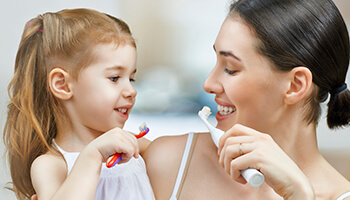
(223, 110)
(122, 110)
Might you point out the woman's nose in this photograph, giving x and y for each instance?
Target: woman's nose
(212, 84)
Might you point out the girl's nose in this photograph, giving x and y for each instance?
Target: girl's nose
(129, 91)
(212, 84)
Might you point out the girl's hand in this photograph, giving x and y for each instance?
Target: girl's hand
(34, 197)
(114, 141)
(242, 148)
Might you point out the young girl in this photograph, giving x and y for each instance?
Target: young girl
(70, 97)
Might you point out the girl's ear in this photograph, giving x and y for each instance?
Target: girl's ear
(300, 85)
(60, 84)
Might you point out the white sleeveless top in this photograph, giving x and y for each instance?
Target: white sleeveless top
(186, 157)
(347, 194)
(123, 181)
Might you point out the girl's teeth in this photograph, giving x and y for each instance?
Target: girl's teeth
(122, 110)
(223, 110)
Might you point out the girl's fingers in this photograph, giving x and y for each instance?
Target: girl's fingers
(118, 141)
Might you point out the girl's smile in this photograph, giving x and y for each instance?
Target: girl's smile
(103, 95)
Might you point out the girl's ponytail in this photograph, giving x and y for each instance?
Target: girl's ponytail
(29, 118)
(339, 107)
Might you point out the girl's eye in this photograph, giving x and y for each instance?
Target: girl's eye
(114, 78)
(231, 72)
(132, 80)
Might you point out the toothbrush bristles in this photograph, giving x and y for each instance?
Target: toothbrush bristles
(206, 111)
(143, 127)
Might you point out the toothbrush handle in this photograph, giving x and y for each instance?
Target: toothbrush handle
(113, 159)
(116, 158)
(253, 177)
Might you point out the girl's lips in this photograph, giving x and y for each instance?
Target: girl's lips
(124, 111)
(123, 115)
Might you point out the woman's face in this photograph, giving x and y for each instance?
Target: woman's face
(248, 91)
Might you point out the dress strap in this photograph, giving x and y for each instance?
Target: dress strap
(185, 163)
(69, 157)
(343, 196)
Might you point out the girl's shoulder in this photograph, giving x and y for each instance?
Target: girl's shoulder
(48, 171)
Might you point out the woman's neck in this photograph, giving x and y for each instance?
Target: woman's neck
(297, 138)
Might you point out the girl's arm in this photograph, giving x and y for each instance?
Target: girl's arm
(50, 181)
(48, 172)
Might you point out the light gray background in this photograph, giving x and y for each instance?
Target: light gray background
(174, 41)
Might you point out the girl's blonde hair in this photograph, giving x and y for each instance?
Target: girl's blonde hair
(65, 39)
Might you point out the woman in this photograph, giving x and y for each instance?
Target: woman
(276, 62)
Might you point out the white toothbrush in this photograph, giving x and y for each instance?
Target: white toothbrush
(252, 176)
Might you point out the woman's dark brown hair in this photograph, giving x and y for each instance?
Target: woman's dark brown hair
(310, 33)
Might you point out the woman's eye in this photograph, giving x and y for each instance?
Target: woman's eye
(231, 72)
(114, 78)
(132, 80)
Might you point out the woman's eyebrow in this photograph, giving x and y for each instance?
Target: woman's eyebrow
(227, 53)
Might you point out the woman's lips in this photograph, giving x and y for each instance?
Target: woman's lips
(224, 110)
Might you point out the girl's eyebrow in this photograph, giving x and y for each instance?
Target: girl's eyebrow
(227, 53)
(118, 67)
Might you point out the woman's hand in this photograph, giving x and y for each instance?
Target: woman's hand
(242, 148)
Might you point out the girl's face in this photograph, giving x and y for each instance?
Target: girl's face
(248, 91)
(103, 94)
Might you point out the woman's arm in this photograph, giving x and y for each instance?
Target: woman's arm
(143, 145)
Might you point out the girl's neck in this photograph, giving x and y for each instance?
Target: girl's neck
(74, 139)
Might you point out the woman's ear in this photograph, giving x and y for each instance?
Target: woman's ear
(300, 85)
(60, 84)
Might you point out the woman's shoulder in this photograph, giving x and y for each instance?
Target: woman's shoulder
(165, 148)
(163, 159)
(168, 148)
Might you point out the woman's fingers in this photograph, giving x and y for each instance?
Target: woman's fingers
(232, 153)
(229, 153)
(237, 131)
